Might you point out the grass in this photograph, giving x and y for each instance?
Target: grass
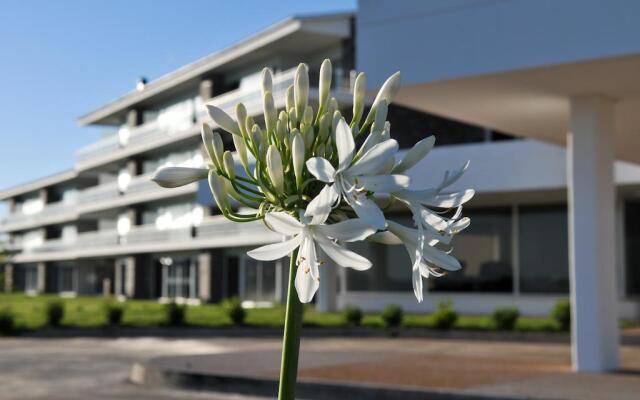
(89, 312)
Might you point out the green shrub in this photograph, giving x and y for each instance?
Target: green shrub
(505, 318)
(7, 321)
(114, 312)
(445, 316)
(352, 316)
(561, 313)
(55, 313)
(174, 314)
(392, 316)
(234, 310)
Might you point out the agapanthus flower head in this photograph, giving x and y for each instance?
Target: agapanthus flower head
(303, 174)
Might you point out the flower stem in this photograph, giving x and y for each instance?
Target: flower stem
(291, 338)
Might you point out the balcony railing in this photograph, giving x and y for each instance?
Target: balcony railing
(103, 146)
(150, 234)
(49, 211)
(99, 193)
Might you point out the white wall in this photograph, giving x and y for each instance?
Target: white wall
(445, 39)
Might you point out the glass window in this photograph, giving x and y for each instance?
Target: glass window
(67, 279)
(543, 249)
(180, 277)
(391, 269)
(30, 278)
(484, 250)
(632, 247)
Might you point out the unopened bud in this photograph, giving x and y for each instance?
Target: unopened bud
(274, 168)
(223, 119)
(324, 84)
(270, 113)
(359, 89)
(301, 89)
(218, 190)
(297, 155)
(229, 164)
(266, 80)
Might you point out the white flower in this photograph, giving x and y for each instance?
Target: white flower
(353, 179)
(172, 177)
(425, 260)
(306, 236)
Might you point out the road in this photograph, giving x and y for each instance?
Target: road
(91, 368)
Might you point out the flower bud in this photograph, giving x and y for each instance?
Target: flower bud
(307, 118)
(290, 101)
(320, 149)
(241, 117)
(267, 81)
(256, 136)
(333, 105)
(323, 131)
(293, 119)
(274, 168)
(387, 92)
(359, 89)
(219, 192)
(223, 119)
(309, 137)
(281, 131)
(298, 155)
(324, 85)
(249, 123)
(172, 177)
(334, 124)
(229, 164)
(270, 113)
(218, 148)
(241, 149)
(207, 140)
(381, 115)
(301, 89)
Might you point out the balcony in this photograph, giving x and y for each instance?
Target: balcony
(51, 213)
(177, 127)
(214, 232)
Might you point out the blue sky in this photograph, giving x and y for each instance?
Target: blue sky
(62, 59)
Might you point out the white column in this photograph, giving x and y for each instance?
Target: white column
(591, 196)
(328, 291)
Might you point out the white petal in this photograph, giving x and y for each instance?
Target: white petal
(223, 119)
(374, 159)
(171, 177)
(321, 169)
(307, 279)
(342, 256)
(416, 280)
(350, 230)
(283, 223)
(371, 140)
(369, 211)
(275, 251)
(448, 200)
(440, 259)
(345, 144)
(415, 154)
(320, 207)
(384, 183)
(306, 285)
(450, 177)
(385, 237)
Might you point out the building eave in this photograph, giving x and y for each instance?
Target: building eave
(205, 65)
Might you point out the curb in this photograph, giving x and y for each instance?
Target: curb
(309, 332)
(150, 375)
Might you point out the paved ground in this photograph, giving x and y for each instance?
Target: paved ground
(95, 368)
(74, 369)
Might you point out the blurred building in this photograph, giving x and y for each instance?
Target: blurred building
(103, 227)
(564, 72)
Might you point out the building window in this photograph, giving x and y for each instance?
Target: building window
(543, 249)
(30, 279)
(391, 271)
(484, 250)
(632, 247)
(67, 279)
(179, 277)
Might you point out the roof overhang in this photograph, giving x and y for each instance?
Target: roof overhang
(314, 32)
(535, 102)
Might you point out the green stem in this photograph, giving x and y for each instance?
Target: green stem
(291, 338)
